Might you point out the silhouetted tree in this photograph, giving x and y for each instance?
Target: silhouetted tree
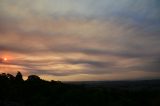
(33, 78)
(3, 77)
(11, 77)
(19, 76)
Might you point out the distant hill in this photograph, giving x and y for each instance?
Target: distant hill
(14, 91)
(138, 83)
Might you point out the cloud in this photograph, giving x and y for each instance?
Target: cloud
(67, 38)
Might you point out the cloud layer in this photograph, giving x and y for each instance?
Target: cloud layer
(81, 40)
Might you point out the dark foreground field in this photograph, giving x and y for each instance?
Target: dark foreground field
(14, 91)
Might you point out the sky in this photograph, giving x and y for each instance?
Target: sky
(81, 40)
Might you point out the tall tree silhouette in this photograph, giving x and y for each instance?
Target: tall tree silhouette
(19, 76)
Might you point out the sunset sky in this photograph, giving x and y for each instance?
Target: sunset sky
(80, 40)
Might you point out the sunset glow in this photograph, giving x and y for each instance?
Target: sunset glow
(81, 40)
(5, 59)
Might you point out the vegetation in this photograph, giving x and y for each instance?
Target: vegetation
(14, 91)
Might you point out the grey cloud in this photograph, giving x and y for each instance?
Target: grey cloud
(93, 63)
(122, 29)
(149, 64)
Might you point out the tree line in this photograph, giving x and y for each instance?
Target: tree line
(14, 91)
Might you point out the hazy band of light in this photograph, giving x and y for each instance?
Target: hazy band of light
(81, 40)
